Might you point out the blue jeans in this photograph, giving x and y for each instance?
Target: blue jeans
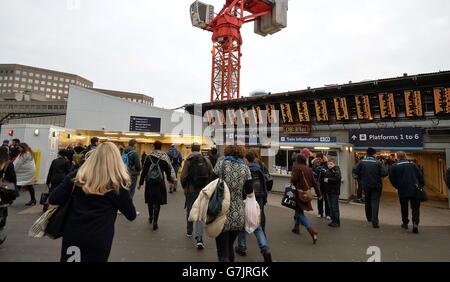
(300, 218)
(260, 237)
(333, 202)
(190, 199)
(133, 186)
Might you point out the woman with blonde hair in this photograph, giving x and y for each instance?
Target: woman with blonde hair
(97, 190)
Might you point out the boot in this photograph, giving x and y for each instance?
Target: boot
(313, 234)
(267, 257)
(296, 229)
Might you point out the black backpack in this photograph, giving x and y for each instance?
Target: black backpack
(199, 171)
(257, 182)
(154, 175)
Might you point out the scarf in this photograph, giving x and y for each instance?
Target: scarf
(163, 156)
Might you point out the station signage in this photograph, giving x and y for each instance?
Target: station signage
(308, 140)
(387, 138)
(145, 124)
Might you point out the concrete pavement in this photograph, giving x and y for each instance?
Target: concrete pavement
(136, 241)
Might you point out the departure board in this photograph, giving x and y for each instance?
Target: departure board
(303, 112)
(243, 116)
(286, 113)
(321, 110)
(387, 105)
(340, 107)
(363, 110)
(413, 103)
(231, 117)
(442, 101)
(257, 114)
(269, 110)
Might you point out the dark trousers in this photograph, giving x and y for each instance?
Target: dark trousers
(333, 202)
(224, 244)
(373, 197)
(415, 207)
(153, 212)
(359, 191)
(320, 205)
(30, 189)
(132, 185)
(261, 204)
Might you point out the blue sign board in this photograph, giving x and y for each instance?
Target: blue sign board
(387, 138)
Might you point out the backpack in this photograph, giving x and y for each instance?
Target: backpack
(199, 171)
(258, 182)
(174, 158)
(126, 159)
(154, 175)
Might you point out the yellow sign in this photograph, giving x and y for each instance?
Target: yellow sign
(413, 103)
(363, 110)
(340, 107)
(321, 110)
(303, 112)
(442, 101)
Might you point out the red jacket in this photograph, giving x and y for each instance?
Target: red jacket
(299, 183)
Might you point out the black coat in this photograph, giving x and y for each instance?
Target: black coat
(156, 193)
(90, 220)
(404, 176)
(59, 168)
(333, 186)
(319, 174)
(371, 172)
(9, 174)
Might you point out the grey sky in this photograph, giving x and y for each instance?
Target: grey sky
(150, 46)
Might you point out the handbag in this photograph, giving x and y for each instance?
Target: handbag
(305, 196)
(215, 202)
(421, 195)
(7, 189)
(38, 228)
(288, 199)
(56, 222)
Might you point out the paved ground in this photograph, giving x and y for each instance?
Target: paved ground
(136, 241)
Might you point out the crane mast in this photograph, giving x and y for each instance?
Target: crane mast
(270, 16)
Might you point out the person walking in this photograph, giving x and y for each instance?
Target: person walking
(26, 171)
(78, 154)
(59, 169)
(131, 159)
(213, 156)
(260, 193)
(371, 171)
(157, 167)
(332, 182)
(237, 176)
(319, 169)
(447, 178)
(405, 176)
(94, 143)
(196, 174)
(176, 159)
(7, 177)
(14, 149)
(96, 191)
(143, 157)
(303, 180)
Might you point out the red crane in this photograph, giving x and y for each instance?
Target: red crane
(227, 39)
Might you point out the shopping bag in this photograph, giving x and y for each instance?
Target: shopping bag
(252, 214)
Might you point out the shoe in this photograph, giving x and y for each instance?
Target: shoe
(240, 251)
(188, 235)
(296, 229)
(2, 240)
(319, 216)
(405, 226)
(31, 203)
(267, 257)
(155, 226)
(328, 217)
(416, 229)
(200, 244)
(334, 225)
(138, 212)
(170, 191)
(313, 234)
(375, 225)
